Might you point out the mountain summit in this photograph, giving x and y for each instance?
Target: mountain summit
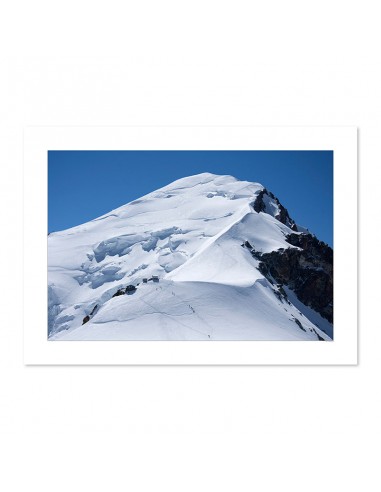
(206, 257)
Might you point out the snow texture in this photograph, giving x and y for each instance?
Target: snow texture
(185, 240)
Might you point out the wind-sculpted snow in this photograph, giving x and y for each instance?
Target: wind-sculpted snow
(122, 245)
(181, 247)
(97, 276)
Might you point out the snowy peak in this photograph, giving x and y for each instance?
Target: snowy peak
(193, 231)
(210, 185)
(230, 187)
(194, 180)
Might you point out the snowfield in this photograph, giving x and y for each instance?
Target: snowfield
(190, 234)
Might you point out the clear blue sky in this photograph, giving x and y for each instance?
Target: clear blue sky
(86, 184)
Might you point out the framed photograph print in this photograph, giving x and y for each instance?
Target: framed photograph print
(190, 245)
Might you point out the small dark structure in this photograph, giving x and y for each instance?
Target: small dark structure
(145, 280)
(155, 278)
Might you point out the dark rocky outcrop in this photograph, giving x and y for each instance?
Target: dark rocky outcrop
(283, 216)
(313, 245)
(119, 292)
(89, 316)
(130, 289)
(259, 204)
(299, 324)
(306, 268)
(321, 339)
(94, 309)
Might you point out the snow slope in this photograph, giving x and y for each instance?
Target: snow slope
(190, 234)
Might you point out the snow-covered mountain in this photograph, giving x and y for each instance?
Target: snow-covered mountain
(207, 257)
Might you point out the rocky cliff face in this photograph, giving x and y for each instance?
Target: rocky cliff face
(262, 204)
(306, 268)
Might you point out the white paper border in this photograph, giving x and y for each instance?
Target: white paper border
(37, 142)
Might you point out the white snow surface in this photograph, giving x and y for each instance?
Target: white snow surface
(190, 234)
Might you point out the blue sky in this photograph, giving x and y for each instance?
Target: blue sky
(83, 185)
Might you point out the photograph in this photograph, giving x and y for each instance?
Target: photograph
(190, 245)
(189, 292)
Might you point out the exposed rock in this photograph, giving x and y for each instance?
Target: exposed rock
(259, 204)
(119, 292)
(313, 245)
(307, 270)
(130, 289)
(321, 339)
(299, 324)
(94, 309)
(86, 319)
(283, 216)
